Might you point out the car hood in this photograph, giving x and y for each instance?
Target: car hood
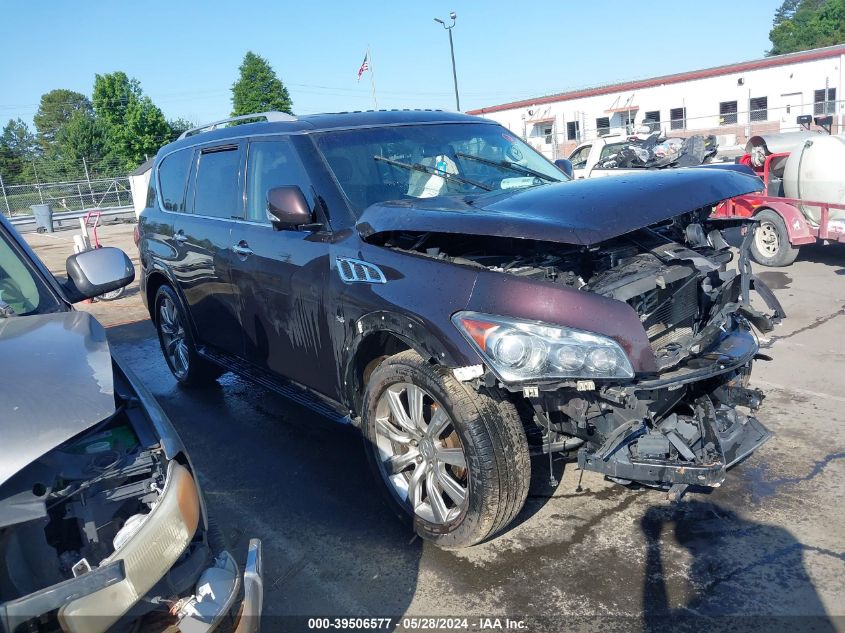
(576, 212)
(57, 382)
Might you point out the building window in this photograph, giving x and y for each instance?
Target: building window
(627, 121)
(603, 126)
(573, 131)
(652, 120)
(727, 113)
(759, 109)
(545, 130)
(824, 103)
(678, 118)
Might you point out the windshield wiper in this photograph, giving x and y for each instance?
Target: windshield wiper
(431, 170)
(527, 171)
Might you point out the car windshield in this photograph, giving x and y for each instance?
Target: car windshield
(423, 161)
(22, 290)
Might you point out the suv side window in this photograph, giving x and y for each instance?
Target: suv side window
(218, 188)
(172, 176)
(272, 164)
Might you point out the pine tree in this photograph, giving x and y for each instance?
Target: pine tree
(258, 89)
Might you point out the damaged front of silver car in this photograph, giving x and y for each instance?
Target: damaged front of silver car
(102, 521)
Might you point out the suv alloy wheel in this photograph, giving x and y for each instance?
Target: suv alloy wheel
(177, 343)
(452, 459)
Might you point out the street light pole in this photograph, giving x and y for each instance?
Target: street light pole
(449, 28)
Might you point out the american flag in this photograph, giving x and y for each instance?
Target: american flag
(365, 65)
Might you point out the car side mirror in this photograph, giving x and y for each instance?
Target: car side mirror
(100, 270)
(288, 207)
(565, 165)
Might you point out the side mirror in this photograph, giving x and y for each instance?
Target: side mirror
(92, 273)
(288, 207)
(565, 165)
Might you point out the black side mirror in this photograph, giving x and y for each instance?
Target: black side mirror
(92, 273)
(288, 207)
(565, 165)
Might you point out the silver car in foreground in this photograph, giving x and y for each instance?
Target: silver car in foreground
(102, 521)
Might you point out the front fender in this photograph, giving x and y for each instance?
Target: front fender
(437, 347)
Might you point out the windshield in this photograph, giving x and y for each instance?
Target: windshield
(22, 291)
(423, 161)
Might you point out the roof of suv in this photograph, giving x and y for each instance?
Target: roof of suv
(330, 121)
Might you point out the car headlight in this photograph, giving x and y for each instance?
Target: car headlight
(519, 351)
(147, 556)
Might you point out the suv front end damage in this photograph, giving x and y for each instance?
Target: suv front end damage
(677, 413)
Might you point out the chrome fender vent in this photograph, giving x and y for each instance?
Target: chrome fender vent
(355, 271)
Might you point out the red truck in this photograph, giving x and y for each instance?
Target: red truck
(803, 196)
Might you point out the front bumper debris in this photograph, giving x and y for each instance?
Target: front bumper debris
(698, 446)
(250, 617)
(216, 591)
(634, 456)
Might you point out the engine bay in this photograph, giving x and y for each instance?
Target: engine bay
(673, 274)
(74, 506)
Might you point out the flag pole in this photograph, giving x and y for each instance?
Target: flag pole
(372, 77)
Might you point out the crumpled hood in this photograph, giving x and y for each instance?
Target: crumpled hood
(577, 212)
(56, 382)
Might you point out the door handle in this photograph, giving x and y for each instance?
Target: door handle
(242, 249)
(180, 236)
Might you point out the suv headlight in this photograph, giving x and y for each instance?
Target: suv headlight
(519, 351)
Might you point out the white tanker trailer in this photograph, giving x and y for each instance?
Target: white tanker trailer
(803, 198)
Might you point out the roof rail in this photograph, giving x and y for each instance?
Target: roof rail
(271, 117)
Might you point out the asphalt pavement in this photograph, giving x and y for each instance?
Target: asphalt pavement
(765, 551)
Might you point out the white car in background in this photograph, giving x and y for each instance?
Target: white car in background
(589, 153)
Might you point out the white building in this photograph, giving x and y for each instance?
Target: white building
(734, 102)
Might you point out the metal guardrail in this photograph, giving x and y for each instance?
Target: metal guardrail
(23, 220)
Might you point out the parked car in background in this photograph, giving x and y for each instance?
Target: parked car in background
(101, 516)
(621, 155)
(587, 155)
(432, 279)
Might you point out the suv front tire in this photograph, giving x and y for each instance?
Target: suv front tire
(453, 460)
(177, 342)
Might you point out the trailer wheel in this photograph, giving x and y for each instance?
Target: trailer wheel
(771, 246)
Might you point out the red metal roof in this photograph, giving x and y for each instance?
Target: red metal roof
(717, 71)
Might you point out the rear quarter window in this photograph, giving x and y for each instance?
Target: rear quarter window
(172, 178)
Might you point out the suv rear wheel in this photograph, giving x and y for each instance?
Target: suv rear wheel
(453, 460)
(177, 343)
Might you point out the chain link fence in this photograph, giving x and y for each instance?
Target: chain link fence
(65, 187)
(558, 139)
(80, 195)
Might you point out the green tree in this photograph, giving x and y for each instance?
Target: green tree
(800, 25)
(54, 110)
(258, 89)
(82, 137)
(145, 130)
(134, 127)
(17, 152)
(177, 126)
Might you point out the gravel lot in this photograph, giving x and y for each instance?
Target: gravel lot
(770, 542)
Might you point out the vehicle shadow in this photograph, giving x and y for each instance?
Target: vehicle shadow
(830, 255)
(740, 575)
(272, 469)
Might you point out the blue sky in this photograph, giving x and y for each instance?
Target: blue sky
(186, 52)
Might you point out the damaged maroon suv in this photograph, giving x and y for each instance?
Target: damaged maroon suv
(433, 280)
